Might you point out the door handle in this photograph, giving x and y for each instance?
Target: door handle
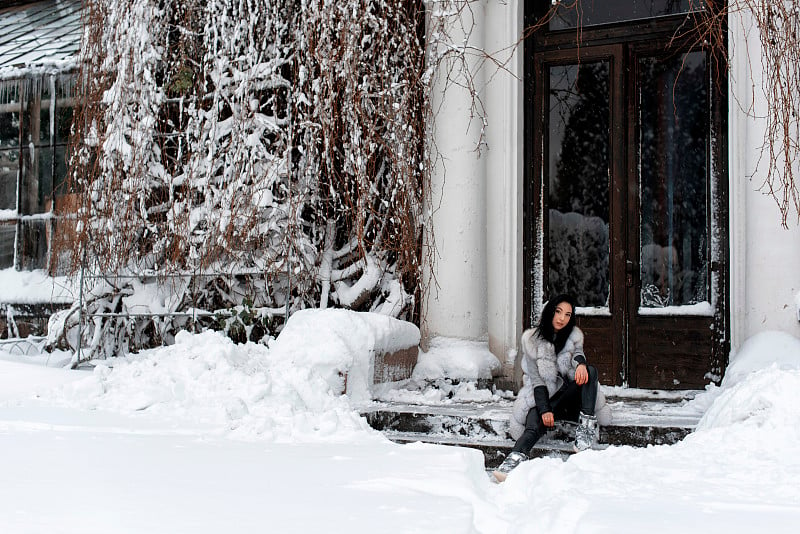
(629, 272)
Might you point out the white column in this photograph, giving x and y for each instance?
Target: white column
(454, 303)
(504, 184)
(739, 98)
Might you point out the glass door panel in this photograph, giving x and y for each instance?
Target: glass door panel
(577, 167)
(673, 152)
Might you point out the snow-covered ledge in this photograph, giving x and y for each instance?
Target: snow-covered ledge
(29, 298)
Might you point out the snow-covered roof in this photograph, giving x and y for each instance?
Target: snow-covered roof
(39, 33)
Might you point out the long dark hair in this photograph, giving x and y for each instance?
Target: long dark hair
(545, 327)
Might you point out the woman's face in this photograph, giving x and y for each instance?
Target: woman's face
(562, 316)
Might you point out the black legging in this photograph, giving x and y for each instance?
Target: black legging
(565, 404)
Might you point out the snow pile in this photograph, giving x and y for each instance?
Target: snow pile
(760, 381)
(290, 391)
(761, 351)
(339, 342)
(447, 373)
(207, 379)
(456, 358)
(759, 410)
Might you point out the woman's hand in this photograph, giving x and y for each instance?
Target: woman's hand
(548, 419)
(581, 375)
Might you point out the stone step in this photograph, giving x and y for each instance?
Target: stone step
(637, 421)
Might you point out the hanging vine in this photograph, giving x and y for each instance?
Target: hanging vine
(779, 36)
(270, 152)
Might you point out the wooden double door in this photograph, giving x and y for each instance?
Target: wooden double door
(626, 205)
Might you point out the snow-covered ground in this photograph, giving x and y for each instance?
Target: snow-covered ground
(207, 437)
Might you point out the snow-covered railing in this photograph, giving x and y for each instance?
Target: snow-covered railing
(119, 313)
(25, 346)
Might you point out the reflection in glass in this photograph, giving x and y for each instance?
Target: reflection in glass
(591, 12)
(577, 185)
(9, 130)
(8, 233)
(9, 168)
(30, 172)
(33, 244)
(42, 130)
(674, 152)
(45, 179)
(63, 123)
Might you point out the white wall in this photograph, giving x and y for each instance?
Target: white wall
(765, 257)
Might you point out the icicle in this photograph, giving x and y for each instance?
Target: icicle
(52, 108)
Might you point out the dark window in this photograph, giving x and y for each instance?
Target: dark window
(577, 154)
(35, 120)
(673, 161)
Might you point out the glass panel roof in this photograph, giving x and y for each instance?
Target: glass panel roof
(37, 33)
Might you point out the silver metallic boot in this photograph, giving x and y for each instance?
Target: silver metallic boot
(511, 461)
(587, 433)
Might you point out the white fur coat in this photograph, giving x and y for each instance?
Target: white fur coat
(541, 366)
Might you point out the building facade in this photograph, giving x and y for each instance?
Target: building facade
(621, 162)
(38, 50)
(615, 154)
(39, 42)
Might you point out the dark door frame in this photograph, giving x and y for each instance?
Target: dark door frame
(614, 41)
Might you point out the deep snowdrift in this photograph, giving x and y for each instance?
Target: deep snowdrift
(207, 436)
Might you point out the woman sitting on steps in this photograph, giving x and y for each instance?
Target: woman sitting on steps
(557, 384)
